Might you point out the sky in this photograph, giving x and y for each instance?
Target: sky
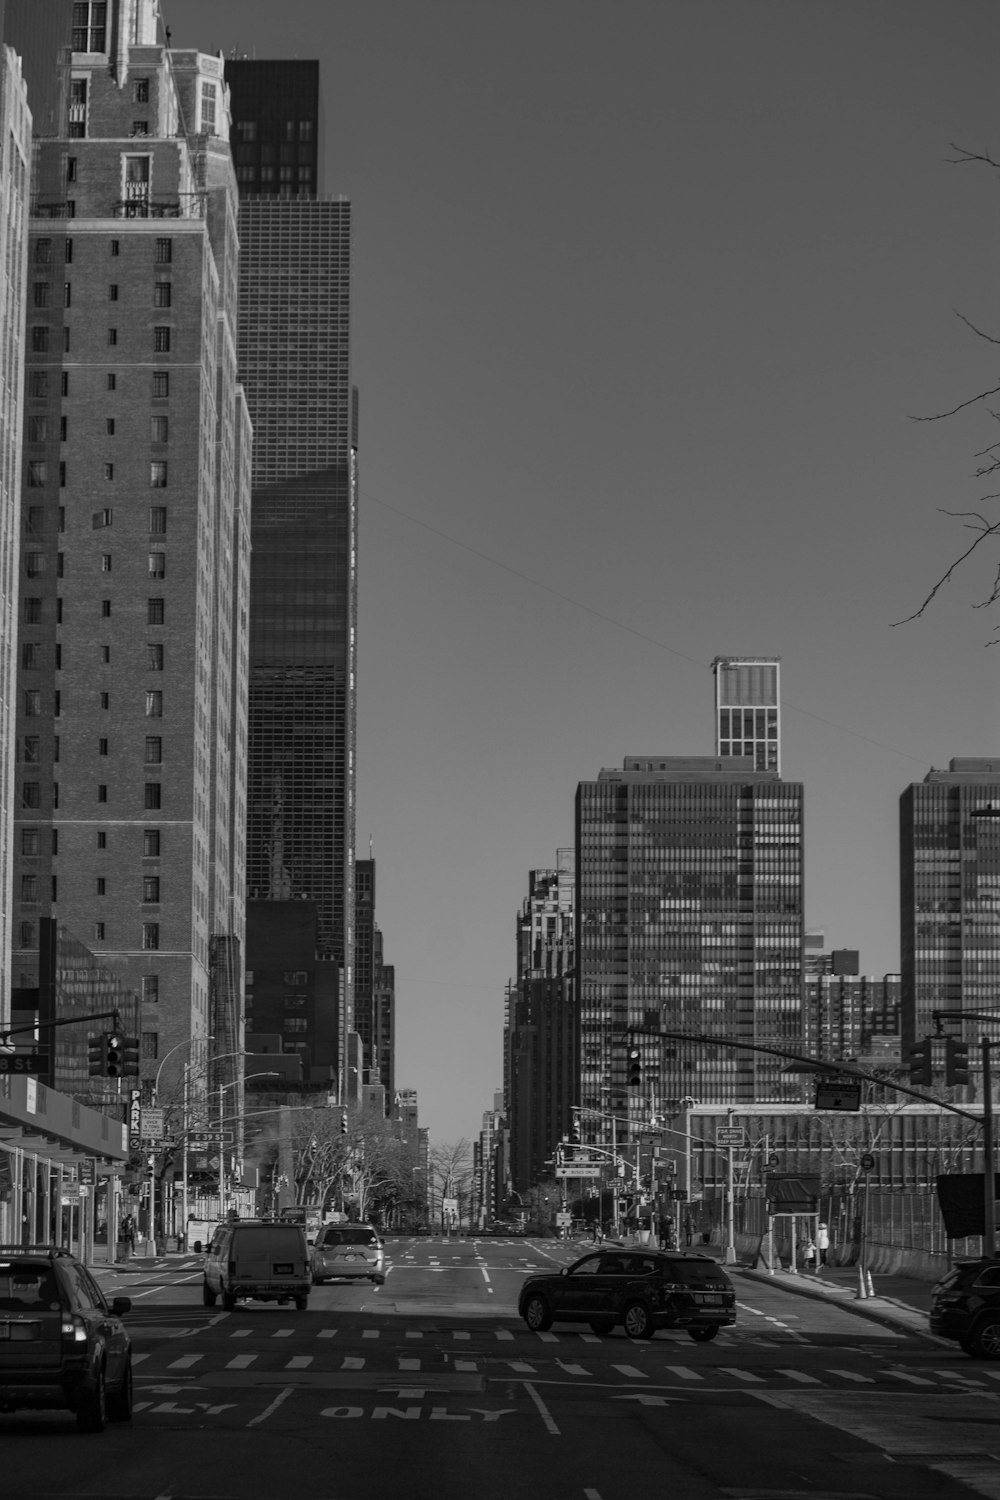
(646, 296)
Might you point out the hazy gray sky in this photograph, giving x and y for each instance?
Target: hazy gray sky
(645, 295)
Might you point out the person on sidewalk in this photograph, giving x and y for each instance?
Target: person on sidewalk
(822, 1243)
(809, 1255)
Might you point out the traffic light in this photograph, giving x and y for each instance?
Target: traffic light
(113, 1055)
(956, 1060)
(343, 1123)
(95, 1056)
(130, 1056)
(574, 1130)
(634, 1068)
(920, 1063)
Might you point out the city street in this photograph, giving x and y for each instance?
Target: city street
(430, 1388)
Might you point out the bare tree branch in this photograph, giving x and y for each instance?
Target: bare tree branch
(938, 416)
(985, 530)
(978, 331)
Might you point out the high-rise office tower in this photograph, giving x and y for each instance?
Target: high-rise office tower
(949, 888)
(374, 986)
(15, 170)
(748, 709)
(689, 917)
(541, 1028)
(131, 728)
(295, 364)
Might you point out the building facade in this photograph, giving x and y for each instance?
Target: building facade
(295, 363)
(689, 916)
(748, 709)
(949, 882)
(132, 639)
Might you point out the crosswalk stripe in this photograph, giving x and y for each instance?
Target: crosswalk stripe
(299, 1362)
(631, 1372)
(137, 1359)
(905, 1375)
(185, 1362)
(801, 1376)
(283, 1333)
(352, 1362)
(327, 1333)
(370, 1333)
(466, 1366)
(853, 1375)
(684, 1372)
(504, 1334)
(241, 1333)
(548, 1338)
(241, 1361)
(522, 1367)
(409, 1364)
(457, 1334)
(590, 1338)
(963, 1379)
(414, 1333)
(572, 1369)
(741, 1374)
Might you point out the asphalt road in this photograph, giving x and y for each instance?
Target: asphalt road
(429, 1388)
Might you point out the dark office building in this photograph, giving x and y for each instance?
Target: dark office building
(291, 995)
(374, 987)
(689, 916)
(949, 888)
(294, 357)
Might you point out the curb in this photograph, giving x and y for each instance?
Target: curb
(890, 1313)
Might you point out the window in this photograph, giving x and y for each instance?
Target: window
(113, 292)
(71, 169)
(158, 519)
(112, 382)
(106, 561)
(158, 429)
(150, 936)
(102, 839)
(29, 887)
(115, 247)
(161, 294)
(154, 656)
(38, 473)
(30, 657)
(154, 704)
(102, 791)
(32, 703)
(38, 429)
(99, 932)
(158, 474)
(154, 611)
(109, 426)
(140, 127)
(34, 521)
(150, 1044)
(89, 22)
(164, 251)
(30, 841)
(26, 933)
(105, 700)
(101, 518)
(31, 743)
(105, 654)
(109, 471)
(40, 294)
(150, 843)
(102, 886)
(38, 384)
(39, 339)
(161, 383)
(140, 91)
(150, 889)
(154, 749)
(67, 294)
(150, 989)
(157, 565)
(43, 252)
(31, 794)
(105, 609)
(63, 427)
(31, 611)
(208, 108)
(64, 383)
(161, 339)
(152, 800)
(34, 564)
(102, 746)
(112, 336)
(62, 474)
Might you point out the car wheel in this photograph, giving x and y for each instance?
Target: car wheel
(92, 1415)
(229, 1300)
(537, 1314)
(702, 1335)
(302, 1303)
(120, 1401)
(208, 1297)
(601, 1325)
(986, 1337)
(637, 1321)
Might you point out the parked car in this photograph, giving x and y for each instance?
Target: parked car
(643, 1290)
(264, 1261)
(965, 1306)
(61, 1344)
(348, 1252)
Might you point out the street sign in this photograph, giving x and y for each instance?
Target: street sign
(832, 1093)
(23, 1062)
(134, 1118)
(867, 1162)
(730, 1135)
(88, 1170)
(582, 1171)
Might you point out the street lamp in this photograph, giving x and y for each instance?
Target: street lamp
(222, 1089)
(188, 1041)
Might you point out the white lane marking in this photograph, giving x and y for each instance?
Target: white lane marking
(327, 1333)
(801, 1376)
(572, 1369)
(542, 1409)
(352, 1362)
(299, 1362)
(631, 1372)
(905, 1375)
(504, 1334)
(467, 1366)
(522, 1367)
(409, 1364)
(684, 1372)
(486, 1277)
(283, 1333)
(241, 1361)
(457, 1334)
(414, 1333)
(370, 1333)
(241, 1333)
(137, 1359)
(263, 1416)
(547, 1338)
(852, 1375)
(589, 1338)
(185, 1362)
(741, 1374)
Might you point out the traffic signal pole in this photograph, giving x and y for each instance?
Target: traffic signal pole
(989, 1184)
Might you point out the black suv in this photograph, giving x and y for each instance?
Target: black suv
(965, 1306)
(61, 1345)
(642, 1289)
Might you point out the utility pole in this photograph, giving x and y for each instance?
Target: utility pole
(989, 1181)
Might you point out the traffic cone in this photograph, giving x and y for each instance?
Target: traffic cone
(871, 1289)
(862, 1290)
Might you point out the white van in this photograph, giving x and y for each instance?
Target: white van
(266, 1262)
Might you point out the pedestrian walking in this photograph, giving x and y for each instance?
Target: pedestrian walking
(688, 1229)
(126, 1236)
(809, 1255)
(822, 1243)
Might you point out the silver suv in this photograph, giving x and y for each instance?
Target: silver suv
(349, 1252)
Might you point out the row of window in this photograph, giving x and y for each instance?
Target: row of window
(34, 562)
(33, 654)
(38, 384)
(150, 888)
(38, 470)
(40, 342)
(41, 293)
(31, 794)
(38, 428)
(31, 841)
(163, 250)
(289, 130)
(31, 748)
(31, 610)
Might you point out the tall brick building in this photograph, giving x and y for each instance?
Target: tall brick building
(132, 670)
